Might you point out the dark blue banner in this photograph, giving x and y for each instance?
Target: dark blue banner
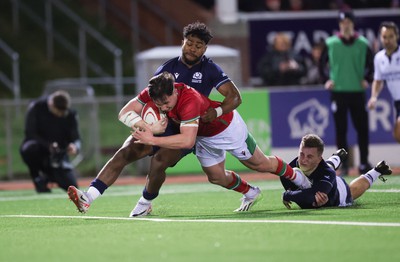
(298, 112)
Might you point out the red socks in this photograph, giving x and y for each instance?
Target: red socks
(238, 184)
(284, 170)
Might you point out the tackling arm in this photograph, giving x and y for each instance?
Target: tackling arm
(231, 101)
(185, 139)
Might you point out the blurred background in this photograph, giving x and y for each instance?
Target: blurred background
(103, 52)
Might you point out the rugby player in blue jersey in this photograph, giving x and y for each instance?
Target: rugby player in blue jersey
(326, 188)
(198, 71)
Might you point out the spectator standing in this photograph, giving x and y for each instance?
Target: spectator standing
(51, 135)
(350, 63)
(281, 66)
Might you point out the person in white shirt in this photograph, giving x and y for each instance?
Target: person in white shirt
(387, 69)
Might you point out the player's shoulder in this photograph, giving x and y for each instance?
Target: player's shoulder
(208, 62)
(168, 64)
(324, 171)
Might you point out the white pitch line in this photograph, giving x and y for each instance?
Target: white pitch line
(312, 222)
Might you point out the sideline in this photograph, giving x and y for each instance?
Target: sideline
(312, 222)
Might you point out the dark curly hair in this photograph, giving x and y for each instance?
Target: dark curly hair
(199, 30)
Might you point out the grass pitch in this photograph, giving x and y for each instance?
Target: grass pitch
(195, 222)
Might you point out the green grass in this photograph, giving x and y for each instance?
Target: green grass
(199, 225)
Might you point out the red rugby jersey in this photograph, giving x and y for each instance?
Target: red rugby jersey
(190, 106)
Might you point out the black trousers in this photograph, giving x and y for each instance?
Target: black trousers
(37, 158)
(354, 103)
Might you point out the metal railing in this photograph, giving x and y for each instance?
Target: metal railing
(80, 51)
(13, 82)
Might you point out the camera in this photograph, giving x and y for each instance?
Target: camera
(57, 155)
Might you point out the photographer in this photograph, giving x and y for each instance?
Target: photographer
(51, 136)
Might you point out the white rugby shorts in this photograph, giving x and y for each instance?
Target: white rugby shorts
(211, 151)
(344, 191)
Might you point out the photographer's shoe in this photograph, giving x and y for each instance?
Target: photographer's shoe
(41, 185)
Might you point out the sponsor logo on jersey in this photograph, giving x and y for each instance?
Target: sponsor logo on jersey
(176, 75)
(197, 78)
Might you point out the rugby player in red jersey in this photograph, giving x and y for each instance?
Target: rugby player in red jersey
(227, 133)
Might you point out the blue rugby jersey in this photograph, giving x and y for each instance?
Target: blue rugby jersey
(203, 76)
(323, 179)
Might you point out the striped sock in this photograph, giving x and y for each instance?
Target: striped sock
(334, 162)
(284, 170)
(237, 184)
(371, 176)
(96, 189)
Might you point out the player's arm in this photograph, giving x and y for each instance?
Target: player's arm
(232, 99)
(130, 114)
(184, 140)
(306, 198)
(377, 86)
(303, 198)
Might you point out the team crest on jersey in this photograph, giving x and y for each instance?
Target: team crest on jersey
(197, 77)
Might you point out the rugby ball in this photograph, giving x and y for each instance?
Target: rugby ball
(151, 113)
